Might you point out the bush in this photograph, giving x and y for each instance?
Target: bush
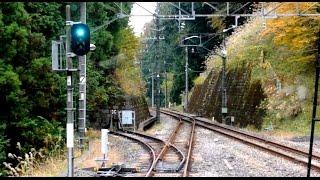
(40, 133)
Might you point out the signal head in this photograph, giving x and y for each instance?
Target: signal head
(80, 39)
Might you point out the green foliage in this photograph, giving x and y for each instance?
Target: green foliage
(104, 90)
(39, 132)
(46, 19)
(104, 44)
(3, 144)
(32, 96)
(127, 65)
(283, 52)
(174, 55)
(22, 53)
(9, 81)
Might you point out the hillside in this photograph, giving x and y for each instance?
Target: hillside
(279, 54)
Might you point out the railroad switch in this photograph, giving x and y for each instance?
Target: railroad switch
(115, 171)
(169, 170)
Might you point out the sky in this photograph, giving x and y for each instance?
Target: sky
(137, 22)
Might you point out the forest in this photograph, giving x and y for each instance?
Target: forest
(280, 53)
(32, 96)
(172, 55)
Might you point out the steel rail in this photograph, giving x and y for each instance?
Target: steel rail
(147, 146)
(178, 151)
(236, 134)
(272, 143)
(160, 140)
(294, 150)
(190, 144)
(164, 150)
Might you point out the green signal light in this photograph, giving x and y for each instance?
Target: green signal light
(80, 39)
(80, 32)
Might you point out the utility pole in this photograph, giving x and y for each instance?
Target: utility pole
(224, 91)
(70, 109)
(158, 64)
(186, 90)
(152, 91)
(224, 109)
(82, 85)
(165, 95)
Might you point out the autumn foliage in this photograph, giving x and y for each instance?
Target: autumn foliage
(128, 70)
(281, 50)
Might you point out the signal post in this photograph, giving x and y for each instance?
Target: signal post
(77, 44)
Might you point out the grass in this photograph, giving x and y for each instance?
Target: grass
(35, 164)
(93, 134)
(178, 108)
(52, 167)
(294, 126)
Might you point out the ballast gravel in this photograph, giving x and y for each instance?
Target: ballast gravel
(213, 155)
(216, 155)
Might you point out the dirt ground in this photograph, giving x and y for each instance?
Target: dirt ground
(95, 153)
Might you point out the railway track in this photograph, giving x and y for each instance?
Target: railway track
(290, 153)
(187, 167)
(162, 152)
(156, 149)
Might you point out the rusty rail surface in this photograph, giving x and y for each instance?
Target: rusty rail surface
(153, 154)
(145, 145)
(164, 150)
(190, 144)
(244, 137)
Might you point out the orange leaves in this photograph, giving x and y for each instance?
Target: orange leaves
(127, 72)
(294, 32)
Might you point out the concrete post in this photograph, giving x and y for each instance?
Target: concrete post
(82, 85)
(186, 86)
(70, 109)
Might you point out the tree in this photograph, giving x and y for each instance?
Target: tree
(175, 55)
(29, 88)
(33, 97)
(127, 72)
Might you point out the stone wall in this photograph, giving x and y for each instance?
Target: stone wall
(243, 97)
(140, 106)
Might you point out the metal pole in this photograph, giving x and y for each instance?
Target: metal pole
(70, 109)
(186, 90)
(223, 88)
(82, 85)
(314, 110)
(165, 100)
(158, 66)
(152, 91)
